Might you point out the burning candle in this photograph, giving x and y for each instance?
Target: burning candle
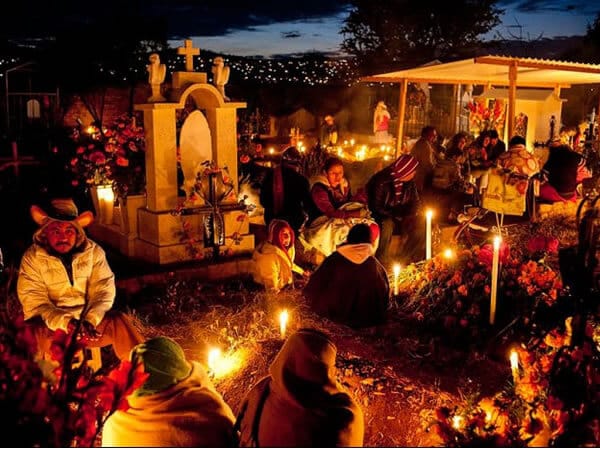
(514, 365)
(456, 422)
(396, 276)
(448, 253)
(283, 320)
(428, 216)
(494, 287)
(214, 355)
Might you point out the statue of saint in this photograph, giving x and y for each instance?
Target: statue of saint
(156, 76)
(381, 123)
(220, 75)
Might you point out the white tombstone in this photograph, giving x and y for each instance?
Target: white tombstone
(195, 147)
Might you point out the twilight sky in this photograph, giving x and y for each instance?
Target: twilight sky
(522, 18)
(268, 27)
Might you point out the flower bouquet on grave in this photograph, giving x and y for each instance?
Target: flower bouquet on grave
(552, 401)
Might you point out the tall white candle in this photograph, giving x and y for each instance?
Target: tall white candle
(514, 365)
(494, 287)
(396, 276)
(428, 216)
(283, 320)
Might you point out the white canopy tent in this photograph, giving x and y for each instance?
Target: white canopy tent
(492, 71)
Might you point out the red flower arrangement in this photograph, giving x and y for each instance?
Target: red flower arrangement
(553, 401)
(482, 117)
(113, 155)
(62, 408)
(453, 296)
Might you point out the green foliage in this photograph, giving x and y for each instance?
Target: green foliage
(386, 34)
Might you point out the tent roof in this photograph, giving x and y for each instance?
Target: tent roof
(494, 70)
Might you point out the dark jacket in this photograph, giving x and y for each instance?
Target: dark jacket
(561, 169)
(298, 205)
(381, 196)
(350, 287)
(495, 151)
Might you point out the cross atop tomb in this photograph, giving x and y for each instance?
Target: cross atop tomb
(189, 51)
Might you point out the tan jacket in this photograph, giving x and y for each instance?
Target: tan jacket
(272, 267)
(44, 288)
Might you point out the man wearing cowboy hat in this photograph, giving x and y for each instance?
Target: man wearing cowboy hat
(65, 278)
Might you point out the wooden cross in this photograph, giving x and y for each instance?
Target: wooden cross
(189, 51)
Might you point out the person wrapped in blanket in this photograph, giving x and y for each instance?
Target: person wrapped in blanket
(339, 209)
(273, 259)
(177, 406)
(301, 403)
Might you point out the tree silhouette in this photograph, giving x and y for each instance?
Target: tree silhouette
(388, 34)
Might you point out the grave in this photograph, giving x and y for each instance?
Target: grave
(154, 228)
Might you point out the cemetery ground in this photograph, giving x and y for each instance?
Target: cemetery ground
(399, 372)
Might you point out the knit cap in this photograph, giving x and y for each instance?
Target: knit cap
(401, 168)
(164, 361)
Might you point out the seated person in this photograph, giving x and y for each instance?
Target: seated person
(394, 200)
(285, 192)
(457, 144)
(300, 403)
(564, 170)
(65, 282)
(351, 286)
(177, 406)
(517, 159)
(338, 208)
(273, 260)
(448, 171)
(495, 148)
(477, 151)
(425, 151)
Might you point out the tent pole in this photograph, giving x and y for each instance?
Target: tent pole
(401, 113)
(512, 96)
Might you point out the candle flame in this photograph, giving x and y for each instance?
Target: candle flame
(106, 193)
(497, 241)
(514, 360)
(457, 422)
(271, 150)
(220, 364)
(214, 355)
(448, 253)
(283, 320)
(429, 214)
(397, 269)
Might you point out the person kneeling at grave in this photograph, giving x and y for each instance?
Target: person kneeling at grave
(351, 286)
(274, 258)
(300, 403)
(65, 283)
(177, 406)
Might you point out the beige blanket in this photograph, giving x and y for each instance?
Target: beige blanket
(190, 414)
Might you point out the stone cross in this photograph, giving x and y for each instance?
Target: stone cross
(189, 51)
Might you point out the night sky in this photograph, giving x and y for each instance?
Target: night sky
(277, 27)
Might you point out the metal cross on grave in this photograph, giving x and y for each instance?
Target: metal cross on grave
(189, 51)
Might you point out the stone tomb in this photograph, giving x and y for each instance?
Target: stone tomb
(154, 234)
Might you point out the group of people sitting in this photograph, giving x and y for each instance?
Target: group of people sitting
(463, 166)
(65, 283)
(321, 210)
